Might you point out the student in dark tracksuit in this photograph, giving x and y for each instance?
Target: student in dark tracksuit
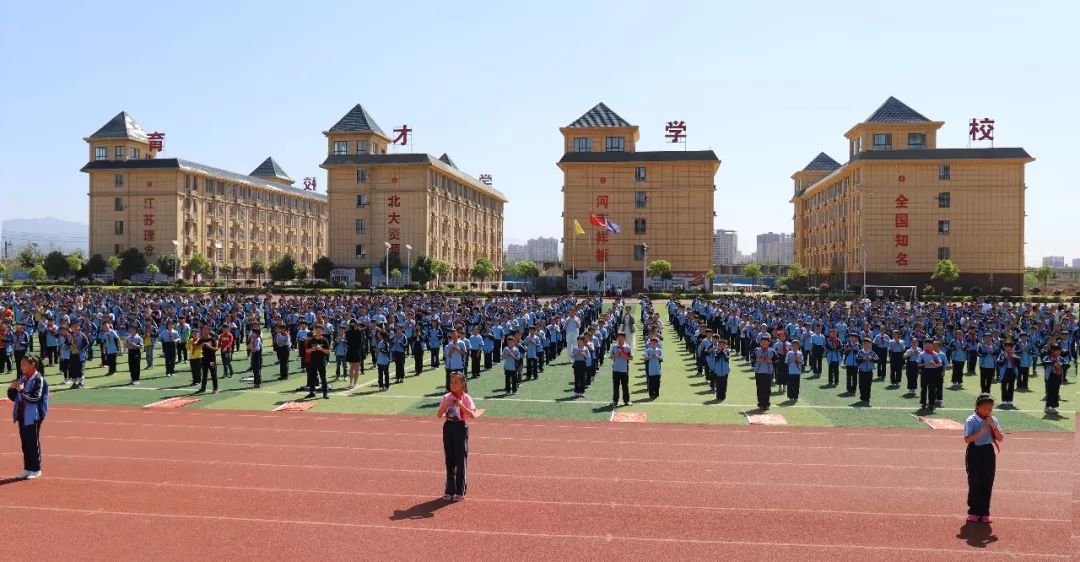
(29, 394)
(134, 344)
(982, 433)
(456, 408)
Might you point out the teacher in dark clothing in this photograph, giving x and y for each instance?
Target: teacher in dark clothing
(30, 395)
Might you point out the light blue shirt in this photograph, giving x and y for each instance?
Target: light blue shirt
(974, 424)
(620, 358)
(653, 357)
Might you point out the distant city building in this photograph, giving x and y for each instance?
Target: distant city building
(725, 247)
(542, 249)
(1056, 261)
(1076, 262)
(774, 248)
(516, 252)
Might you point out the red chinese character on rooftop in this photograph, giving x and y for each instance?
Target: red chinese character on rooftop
(394, 233)
(394, 218)
(901, 259)
(402, 135)
(394, 201)
(901, 220)
(901, 240)
(675, 130)
(602, 201)
(148, 235)
(601, 255)
(148, 220)
(156, 141)
(396, 248)
(901, 202)
(981, 130)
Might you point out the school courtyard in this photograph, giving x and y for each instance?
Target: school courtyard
(684, 398)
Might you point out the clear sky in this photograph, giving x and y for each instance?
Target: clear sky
(767, 85)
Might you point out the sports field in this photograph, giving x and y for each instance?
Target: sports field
(685, 398)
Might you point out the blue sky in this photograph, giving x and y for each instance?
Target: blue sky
(767, 85)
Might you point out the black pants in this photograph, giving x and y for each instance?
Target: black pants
(19, 354)
(928, 393)
(316, 374)
(256, 367)
(283, 361)
(1053, 391)
(487, 360)
(620, 380)
(434, 356)
(181, 351)
(896, 367)
(1008, 385)
(169, 350)
(721, 387)
(981, 464)
(134, 364)
(816, 354)
(1022, 379)
(793, 387)
(531, 368)
(418, 357)
(399, 365)
(654, 385)
(474, 362)
(30, 435)
(986, 378)
(209, 370)
(958, 373)
(852, 378)
(866, 378)
(834, 373)
(455, 438)
(912, 373)
(384, 375)
(513, 379)
(764, 389)
(882, 355)
(972, 357)
(110, 362)
(580, 374)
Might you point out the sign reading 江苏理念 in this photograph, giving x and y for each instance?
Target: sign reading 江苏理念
(149, 231)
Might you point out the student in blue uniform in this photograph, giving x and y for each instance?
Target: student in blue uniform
(851, 363)
(911, 364)
(1027, 354)
(987, 363)
(134, 345)
(29, 396)
(621, 355)
(254, 352)
(929, 365)
(834, 352)
(1008, 365)
(794, 369)
(982, 433)
(763, 370)
(896, 358)
(476, 348)
(382, 360)
(867, 360)
(341, 351)
(958, 355)
(721, 368)
(511, 357)
(654, 358)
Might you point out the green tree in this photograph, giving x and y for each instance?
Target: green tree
(55, 265)
(258, 268)
(132, 261)
(227, 271)
(322, 268)
(796, 276)
(657, 268)
(395, 273)
(3, 271)
(283, 269)
(482, 269)
(710, 276)
(753, 271)
(1043, 275)
(37, 273)
(440, 268)
(114, 265)
(420, 272)
(526, 269)
(167, 263)
(946, 272)
(300, 272)
(198, 265)
(153, 269)
(75, 261)
(96, 265)
(29, 256)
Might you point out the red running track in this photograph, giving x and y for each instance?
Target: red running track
(122, 484)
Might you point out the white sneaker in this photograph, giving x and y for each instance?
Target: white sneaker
(33, 475)
(22, 475)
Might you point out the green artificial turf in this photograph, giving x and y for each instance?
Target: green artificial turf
(685, 398)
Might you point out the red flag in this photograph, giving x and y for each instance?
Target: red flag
(597, 221)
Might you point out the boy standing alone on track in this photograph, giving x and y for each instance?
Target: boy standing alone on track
(621, 355)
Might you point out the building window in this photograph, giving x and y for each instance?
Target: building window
(341, 147)
(615, 144)
(134, 153)
(101, 153)
(119, 153)
(639, 252)
(361, 176)
(639, 199)
(639, 173)
(118, 204)
(118, 228)
(943, 227)
(858, 145)
(361, 147)
(582, 144)
(944, 200)
(943, 172)
(639, 226)
(361, 200)
(118, 180)
(361, 251)
(916, 140)
(361, 226)
(882, 141)
(943, 253)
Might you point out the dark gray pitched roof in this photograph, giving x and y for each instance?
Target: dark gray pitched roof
(600, 116)
(446, 158)
(409, 158)
(270, 169)
(895, 111)
(821, 163)
(647, 156)
(357, 120)
(121, 126)
(944, 154)
(165, 163)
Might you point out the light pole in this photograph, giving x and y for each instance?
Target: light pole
(644, 264)
(176, 266)
(386, 272)
(217, 258)
(409, 262)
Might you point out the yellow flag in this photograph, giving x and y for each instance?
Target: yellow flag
(577, 228)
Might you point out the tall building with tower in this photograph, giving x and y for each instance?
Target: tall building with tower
(175, 206)
(901, 203)
(379, 197)
(656, 204)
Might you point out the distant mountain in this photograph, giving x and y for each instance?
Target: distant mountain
(48, 233)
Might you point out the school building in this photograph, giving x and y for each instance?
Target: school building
(661, 203)
(405, 199)
(176, 206)
(901, 203)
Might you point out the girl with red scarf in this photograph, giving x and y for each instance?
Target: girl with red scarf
(456, 407)
(982, 433)
(29, 394)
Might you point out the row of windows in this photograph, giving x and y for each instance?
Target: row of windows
(238, 192)
(362, 147)
(102, 153)
(611, 144)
